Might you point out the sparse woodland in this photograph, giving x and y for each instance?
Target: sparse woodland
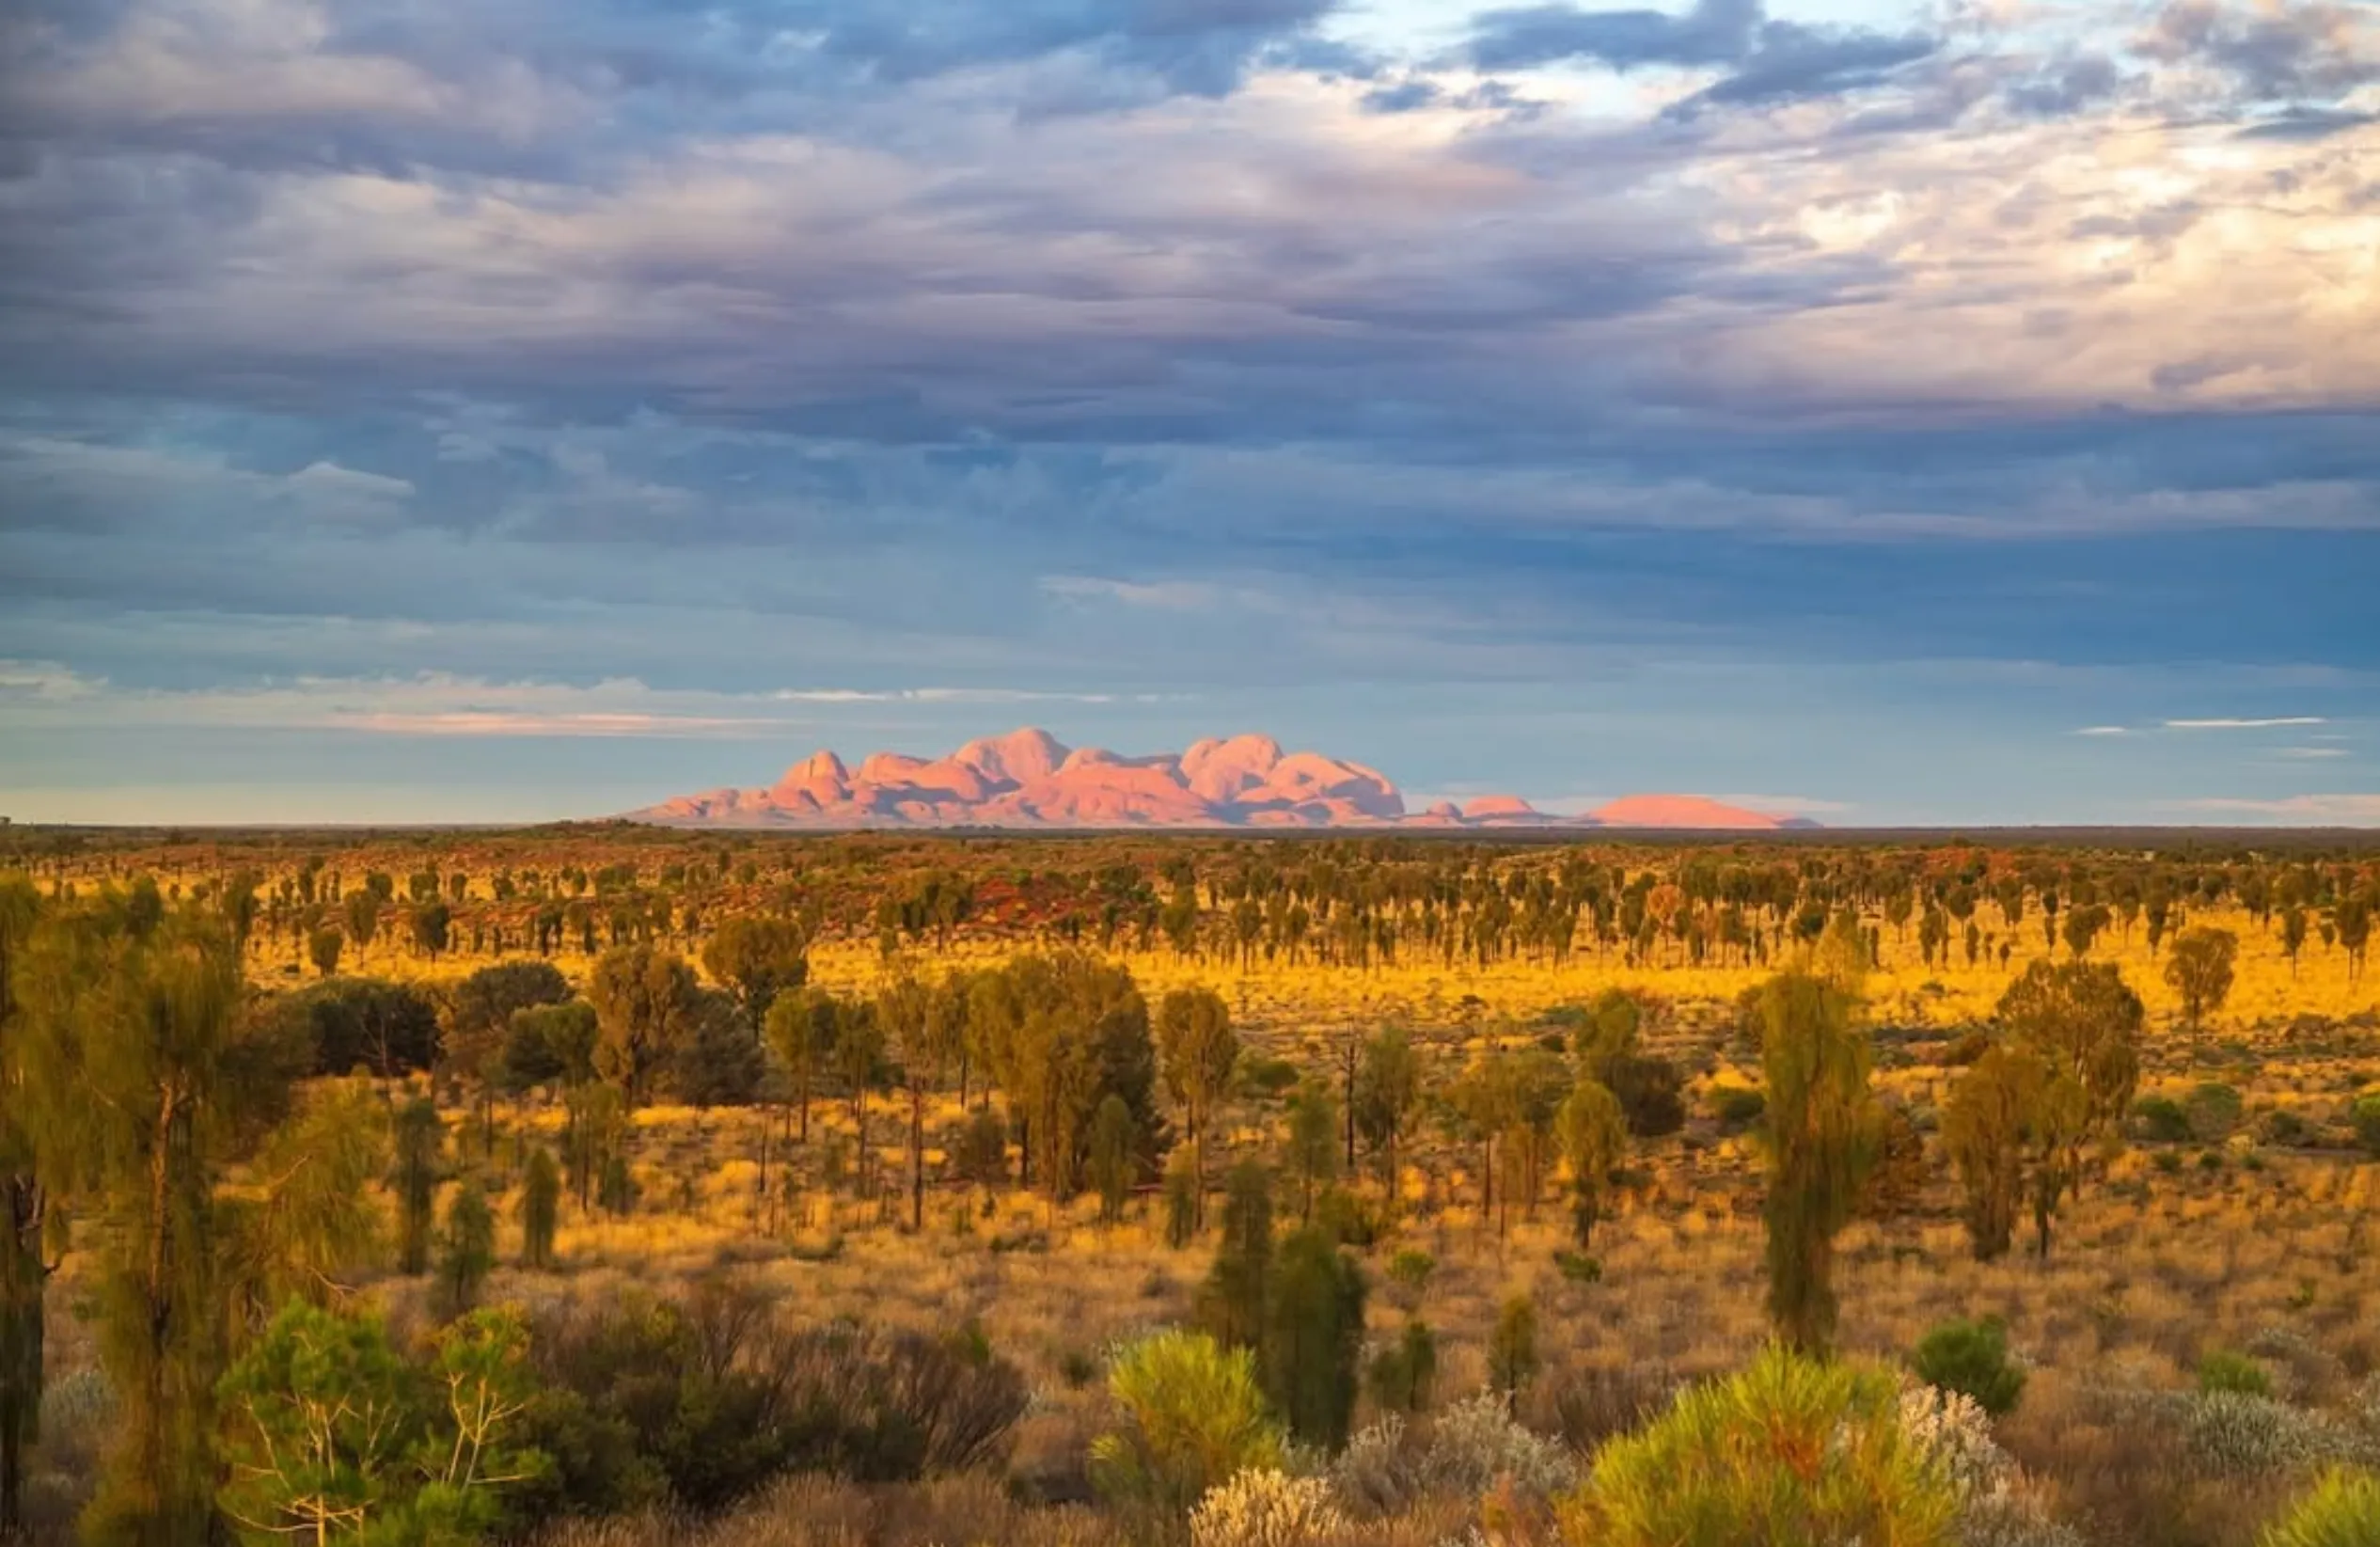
(606, 1186)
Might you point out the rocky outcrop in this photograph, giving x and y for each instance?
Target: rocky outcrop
(1029, 778)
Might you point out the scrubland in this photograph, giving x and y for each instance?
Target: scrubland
(2248, 1229)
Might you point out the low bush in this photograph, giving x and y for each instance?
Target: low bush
(2222, 1370)
(1192, 1417)
(2342, 1510)
(1790, 1451)
(2161, 1119)
(1265, 1507)
(1971, 1357)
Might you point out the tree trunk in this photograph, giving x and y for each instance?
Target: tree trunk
(917, 1157)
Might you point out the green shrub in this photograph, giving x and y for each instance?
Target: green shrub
(1193, 1416)
(2161, 1119)
(2342, 1510)
(1410, 1270)
(2213, 1110)
(1738, 1106)
(2222, 1370)
(1790, 1452)
(1578, 1267)
(2364, 1115)
(1270, 1076)
(1970, 1357)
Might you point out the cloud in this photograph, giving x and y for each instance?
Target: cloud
(1126, 347)
(2308, 753)
(1165, 595)
(2279, 50)
(2245, 724)
(2304, 810)
(43, 695)
(1767, 61)
(2104, 731)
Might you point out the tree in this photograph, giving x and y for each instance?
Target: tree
(362, 916)
(1983, 1127)
(148, 1083)
(308, 1225)
(645, 1004)
(541, 1198)
(332, 1436)
(321, 949)
(756, 959)
(1822, 1131)
(2199, 970)
(1197, 1049)
(2292, 935)
(414, 1170)
(922, 1042)
(1314, 1151)
(596, 1123)
(2353, 918)
(319, 1425)
(1231, 1303)
(802, 1030)
(1387, 1086)
(1512, 1348)
(25, 1267)
(1594, 1139)
(432, 922)
(467, 1250)
(2084, 1022)
(1112, 1159)
(550, 1044)
(1313, 1337)
(480, 1017)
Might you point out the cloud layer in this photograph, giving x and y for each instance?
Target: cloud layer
(1138, 351)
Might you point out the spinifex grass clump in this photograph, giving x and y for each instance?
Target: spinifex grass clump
(1792, 1452)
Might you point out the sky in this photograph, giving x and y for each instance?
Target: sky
(1968, 413)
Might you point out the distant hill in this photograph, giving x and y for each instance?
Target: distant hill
(1029, 778)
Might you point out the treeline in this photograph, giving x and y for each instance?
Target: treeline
(1349, 903)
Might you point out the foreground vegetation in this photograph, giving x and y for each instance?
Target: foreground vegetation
(614, 1186)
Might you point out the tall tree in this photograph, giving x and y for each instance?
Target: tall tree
(2199, 971)
(1386, 1087)
(1313, 1148)
(756, 959)
(802, 1028)
(1114, 1160)
(2084, 1022)
(1824, 1124)
(1983, 1127)
(150, 1080)
(1231, 1303)
(920, 1041)
(1197, 1049)
(413, 1173)
(1594, 1138)
(24, 1268)
(541, 1198)
(1313, 1337)
(645, 1002)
